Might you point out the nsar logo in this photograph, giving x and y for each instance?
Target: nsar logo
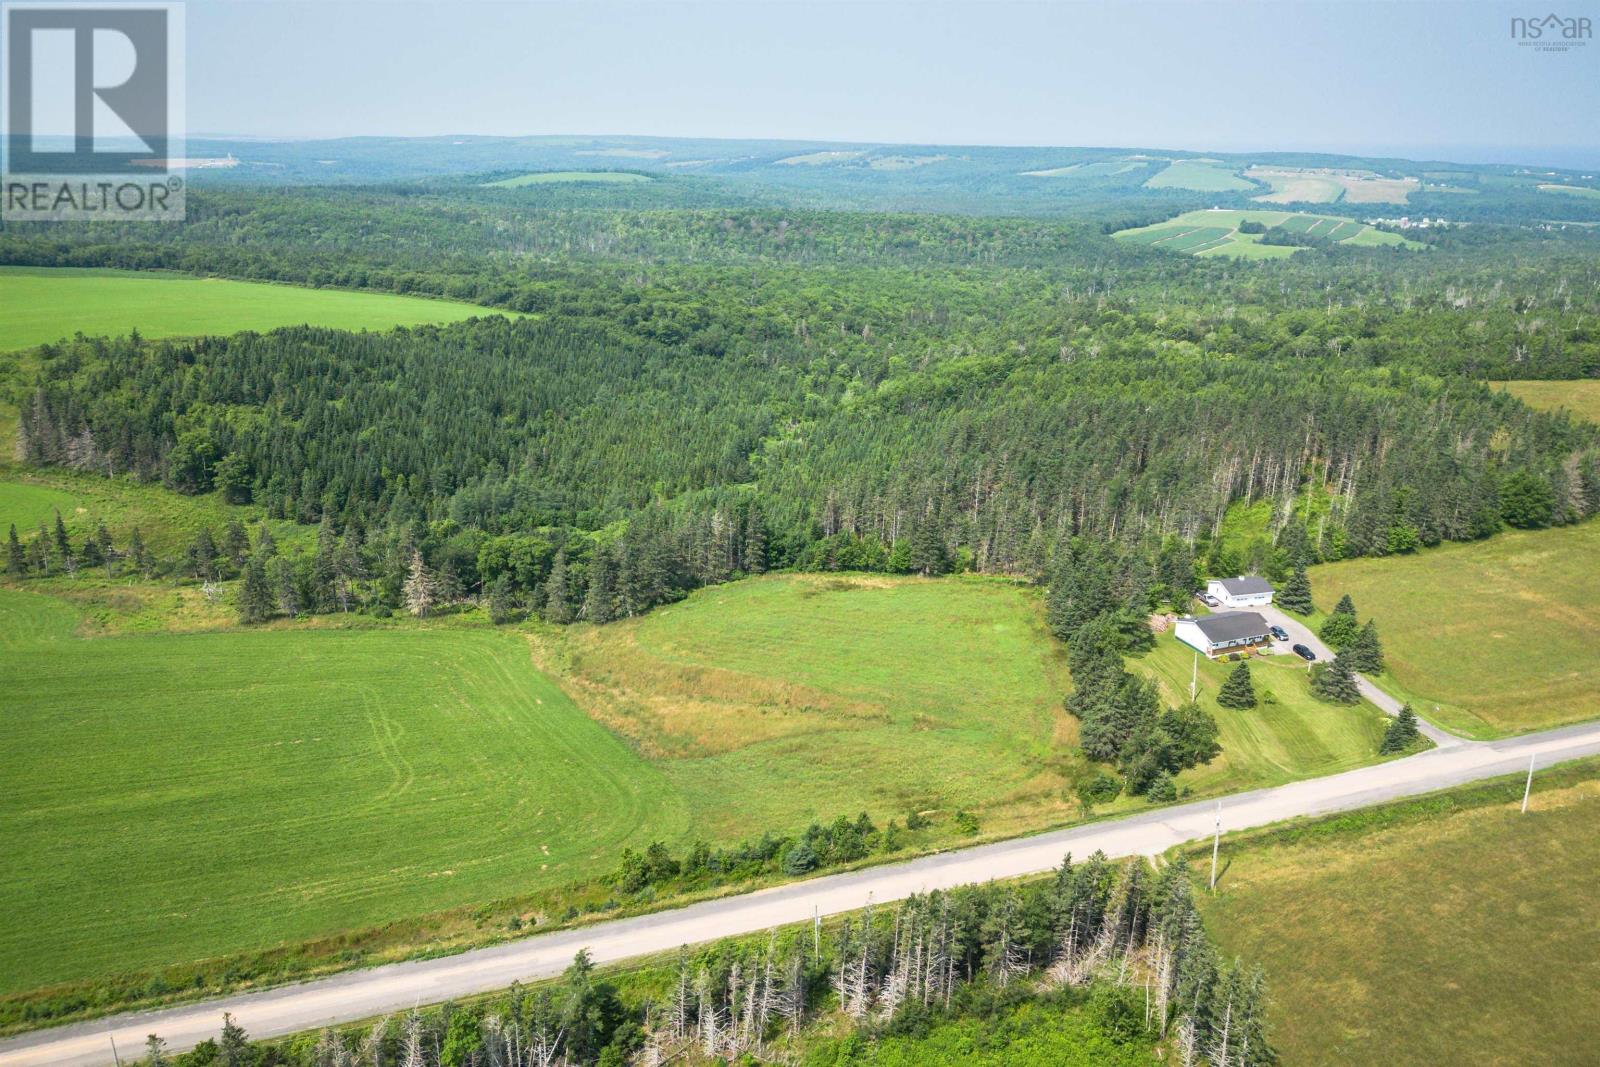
(1552, 33)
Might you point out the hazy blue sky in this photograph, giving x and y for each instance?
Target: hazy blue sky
(1416, 78)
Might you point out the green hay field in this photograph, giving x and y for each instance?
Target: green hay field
(1489, 638)
(1290, 734)
(172, 797)
(1580, 398)
(773, 701)
(1200, 176)
(567, 177)
(1446, 930)
(40, 305)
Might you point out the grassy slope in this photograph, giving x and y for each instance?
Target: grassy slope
(1579, 398)
(43, 305)
(774, 701)
(1447, 930)
(1498, 634)
(166, 520)
(1288, 735)
(170, 797)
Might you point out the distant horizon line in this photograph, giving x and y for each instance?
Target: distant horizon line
(1472, 155)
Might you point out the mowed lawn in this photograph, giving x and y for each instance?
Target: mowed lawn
(1449, 930)
(1489, 638)
(173, 797)
(1289, 734)
(40, 305)
(775, 701)
(1580, 398)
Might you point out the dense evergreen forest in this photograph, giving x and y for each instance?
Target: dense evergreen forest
(684, 395)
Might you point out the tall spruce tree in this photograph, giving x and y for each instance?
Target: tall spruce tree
(1295, 595)
(755, 542)
(16, 560)
(256, 598)
(1237, 691)
(599, 603)
(236, 543)
(63, 543)
(929, 556)
(1364, 652)
(558, 592)
(201, 556)
(1335, 682)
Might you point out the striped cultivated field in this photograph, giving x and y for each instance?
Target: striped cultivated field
(171, 797)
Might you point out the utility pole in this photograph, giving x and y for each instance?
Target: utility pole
(114, 1056)
(1194, 677)
(1216, 843)
(1527, 788)
(816, 931)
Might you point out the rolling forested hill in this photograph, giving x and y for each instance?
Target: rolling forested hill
(728, 389)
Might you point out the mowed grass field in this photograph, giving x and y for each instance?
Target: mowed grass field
(1488, 638)
(1579, 398)
(774, 701)
(40, 305)
(174, 797)
(1446, 930)
(1289, 734)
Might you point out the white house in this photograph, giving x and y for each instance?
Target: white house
(1226, 631)
(1241, 592)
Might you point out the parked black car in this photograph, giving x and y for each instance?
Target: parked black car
(1279, 633)
(1304, 653)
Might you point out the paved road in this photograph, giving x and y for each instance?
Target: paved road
(1300, 633)
(396, 987)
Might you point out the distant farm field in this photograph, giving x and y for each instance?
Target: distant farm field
(1200, 175)
(1290, 734)
(564, 177)
(1498, 635)
(1572, 190)
(1447, 930)
(1291, 185)
(170, 797)
(1579, 398)
(773, 701)
(1216, 233)
(40, 305)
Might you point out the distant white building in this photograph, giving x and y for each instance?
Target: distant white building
(1227, 631)
(1241, 592)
